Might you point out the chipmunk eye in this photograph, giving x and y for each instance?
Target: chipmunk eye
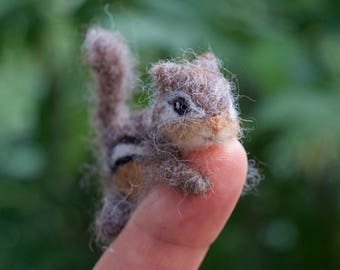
(181, 106)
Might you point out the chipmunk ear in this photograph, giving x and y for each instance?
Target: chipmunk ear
(209, 61)
(163, 74)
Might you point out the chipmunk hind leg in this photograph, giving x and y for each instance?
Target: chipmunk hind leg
(109, 57)
(113, 216)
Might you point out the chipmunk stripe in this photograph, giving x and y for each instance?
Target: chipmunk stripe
(121, 161)
(123, 153)
(125, 140)
(130, 140)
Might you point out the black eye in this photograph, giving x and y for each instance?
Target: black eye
(181, 106)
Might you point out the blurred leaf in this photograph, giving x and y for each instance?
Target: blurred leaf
(21, 82)
(309, 127)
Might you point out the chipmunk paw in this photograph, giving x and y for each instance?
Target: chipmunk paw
(196, 185)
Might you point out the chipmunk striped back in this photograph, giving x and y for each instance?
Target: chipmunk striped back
(110, 60)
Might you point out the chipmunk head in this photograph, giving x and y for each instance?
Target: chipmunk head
(194, 105)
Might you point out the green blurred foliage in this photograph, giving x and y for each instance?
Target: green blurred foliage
(286, 57)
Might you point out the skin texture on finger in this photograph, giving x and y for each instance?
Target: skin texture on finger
(170, 230)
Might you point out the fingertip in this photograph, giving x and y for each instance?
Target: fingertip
(179, 218)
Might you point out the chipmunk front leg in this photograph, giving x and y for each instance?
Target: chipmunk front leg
(179, 174)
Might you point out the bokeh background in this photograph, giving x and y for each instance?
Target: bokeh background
(285, 57)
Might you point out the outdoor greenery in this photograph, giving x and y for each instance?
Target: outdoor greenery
(285, 60)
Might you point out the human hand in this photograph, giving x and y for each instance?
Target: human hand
(168, 231)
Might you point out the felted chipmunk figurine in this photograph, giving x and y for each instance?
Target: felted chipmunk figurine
(193, 107)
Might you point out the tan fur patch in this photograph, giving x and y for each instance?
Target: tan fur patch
(128, 178)
(185, 130)
(208, 128)
(217, 123)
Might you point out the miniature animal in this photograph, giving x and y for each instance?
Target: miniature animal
(193, 107)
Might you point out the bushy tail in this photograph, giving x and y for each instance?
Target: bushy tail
(109, 57)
